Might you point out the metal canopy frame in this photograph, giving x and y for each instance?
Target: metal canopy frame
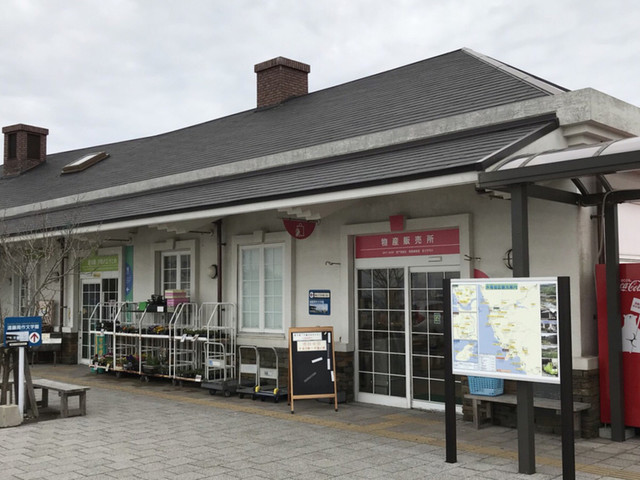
(523, 182)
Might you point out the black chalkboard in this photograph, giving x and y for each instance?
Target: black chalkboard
(312, 370)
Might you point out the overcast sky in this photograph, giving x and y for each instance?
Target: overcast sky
(99, 71)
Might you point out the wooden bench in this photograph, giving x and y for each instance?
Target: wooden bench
(482, 404)
(65, 390)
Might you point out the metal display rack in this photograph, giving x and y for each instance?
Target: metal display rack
(102, 329)
(153, 354)
(196, 344)
(220, 347)
(186, 358)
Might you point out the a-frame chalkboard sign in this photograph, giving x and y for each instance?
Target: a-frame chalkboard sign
(312, 364)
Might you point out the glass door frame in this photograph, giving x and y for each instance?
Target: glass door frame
(420, 403)
(103, 296)
(84, 317)
(374, 398)
(408, 264)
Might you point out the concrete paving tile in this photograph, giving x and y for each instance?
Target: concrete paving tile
(14, 458)
(634, 468)
(150, 467)
(370, 473)
(123, 464)
(199, 436)
(32, 475)
(127, 474)
(66, 476)
(12, 472)
(150, 457)
(64, 467)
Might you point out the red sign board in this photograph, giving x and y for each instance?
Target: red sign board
(630, 331)
(299, 229)
(407, 244)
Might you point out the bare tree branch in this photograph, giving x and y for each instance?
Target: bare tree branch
(39, 259)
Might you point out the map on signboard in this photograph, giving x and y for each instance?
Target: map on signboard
(505, 328)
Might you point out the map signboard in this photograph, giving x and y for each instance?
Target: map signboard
(506, 328)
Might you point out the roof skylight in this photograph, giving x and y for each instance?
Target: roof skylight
(84, 162)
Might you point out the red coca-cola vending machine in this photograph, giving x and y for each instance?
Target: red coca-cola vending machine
(630, 331)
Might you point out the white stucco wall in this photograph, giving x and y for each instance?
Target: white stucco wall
(629, 232)
(561, 243)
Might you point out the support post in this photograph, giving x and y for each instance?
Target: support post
(30, 394)
(520, 246)
(219, 245)
(449, 381)
(566, 379)
(21, 380)
(614, 321)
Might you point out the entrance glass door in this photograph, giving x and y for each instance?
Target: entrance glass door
(94, 292)
(427, 334)
(90, 298)
(381, 331)
(400, 335)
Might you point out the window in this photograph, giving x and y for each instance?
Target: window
(176, 271)
(261, 282)
(84, 162)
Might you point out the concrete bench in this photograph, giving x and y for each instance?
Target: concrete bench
(65, 390)
(482, 404)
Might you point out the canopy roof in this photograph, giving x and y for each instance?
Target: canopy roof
(614, 165)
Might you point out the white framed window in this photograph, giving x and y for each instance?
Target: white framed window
(176, 271)
(176, 266)
(264, 274)
(261, 279)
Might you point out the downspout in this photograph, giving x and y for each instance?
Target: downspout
(218, 224)
(62, 277)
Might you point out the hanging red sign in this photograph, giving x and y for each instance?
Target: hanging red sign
(299, 229)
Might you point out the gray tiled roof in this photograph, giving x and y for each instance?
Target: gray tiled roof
(450, 84)
(452, 155)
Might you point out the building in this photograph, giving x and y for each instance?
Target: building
(366, 191)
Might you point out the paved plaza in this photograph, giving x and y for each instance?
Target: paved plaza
(157, 430)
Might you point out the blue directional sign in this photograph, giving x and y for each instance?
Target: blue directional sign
(22, 331)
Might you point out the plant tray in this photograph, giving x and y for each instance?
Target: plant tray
(490, 387)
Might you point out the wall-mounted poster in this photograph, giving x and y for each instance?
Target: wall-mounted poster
(319, 302)
(506, 328)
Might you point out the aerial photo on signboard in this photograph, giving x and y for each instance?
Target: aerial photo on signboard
(505, 328)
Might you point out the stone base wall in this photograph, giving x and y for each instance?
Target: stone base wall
(345, 374)
(69, 352)
(586, 388)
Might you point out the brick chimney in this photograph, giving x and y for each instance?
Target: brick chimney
(280, 79)
(25, 147)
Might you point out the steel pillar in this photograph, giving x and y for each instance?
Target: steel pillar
(520, 246)
(614, 321)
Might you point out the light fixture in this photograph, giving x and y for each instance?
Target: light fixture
(508, 259)
(213, 271)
